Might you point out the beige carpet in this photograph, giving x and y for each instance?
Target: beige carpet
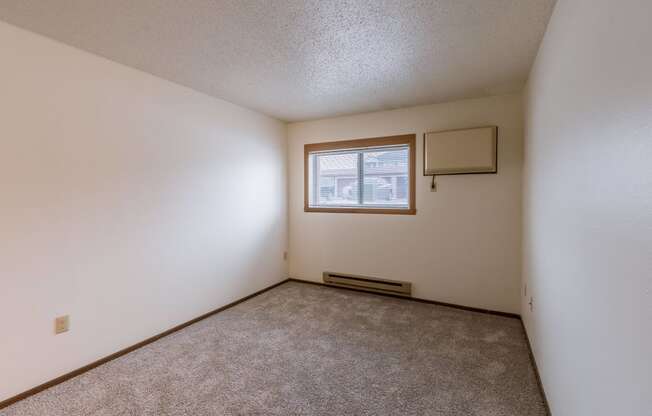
(302, 349)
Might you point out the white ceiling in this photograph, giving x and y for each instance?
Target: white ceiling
(298, 60)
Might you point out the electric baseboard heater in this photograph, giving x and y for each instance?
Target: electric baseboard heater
(370, 284)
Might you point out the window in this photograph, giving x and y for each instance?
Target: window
(361, 176)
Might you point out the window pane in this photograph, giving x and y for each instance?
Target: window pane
(335, 180)
(386, 177)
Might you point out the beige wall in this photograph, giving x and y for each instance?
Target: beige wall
(128, 202)
(588, 208)
(463, 246)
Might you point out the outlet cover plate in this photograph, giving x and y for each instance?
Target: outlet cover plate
(61, 324)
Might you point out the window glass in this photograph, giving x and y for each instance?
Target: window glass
(335, 178)
(385, 177)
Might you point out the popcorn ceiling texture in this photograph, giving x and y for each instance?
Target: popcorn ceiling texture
(305, 59)
(301, 349)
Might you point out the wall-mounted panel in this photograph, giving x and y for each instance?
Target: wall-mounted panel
(461, 151)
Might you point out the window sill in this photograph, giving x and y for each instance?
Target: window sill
(391, 211)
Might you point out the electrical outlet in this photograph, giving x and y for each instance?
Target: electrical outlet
(61, 324)
(285, 255)
(531, 303)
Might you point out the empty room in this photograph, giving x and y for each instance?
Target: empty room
(326, 207)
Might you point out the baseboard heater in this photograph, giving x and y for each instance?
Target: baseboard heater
(370, 284)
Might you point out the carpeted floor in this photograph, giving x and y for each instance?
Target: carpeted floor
(301, 349)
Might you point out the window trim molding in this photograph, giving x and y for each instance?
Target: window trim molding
(406, 139)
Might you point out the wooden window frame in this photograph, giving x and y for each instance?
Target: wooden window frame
(408, 139)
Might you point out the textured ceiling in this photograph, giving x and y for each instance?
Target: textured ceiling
(298, 60)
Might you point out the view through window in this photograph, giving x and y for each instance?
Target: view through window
(364, 177)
